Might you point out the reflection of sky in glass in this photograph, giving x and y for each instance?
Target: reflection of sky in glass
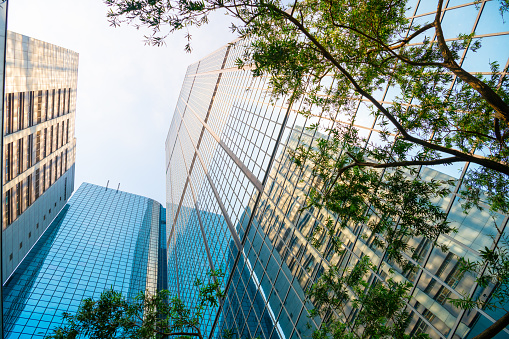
(492, 49)
(410, 8)
(460, 20)
(421, 21)
(453, 170)
(364, 116)
(491, 21)
(99, 240)
(277, 247)
(426, 7)
(453, 3)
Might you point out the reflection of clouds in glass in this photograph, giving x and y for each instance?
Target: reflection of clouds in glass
(476, 228)
(453, 170)
(364, 116)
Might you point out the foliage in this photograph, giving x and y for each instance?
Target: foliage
(148, 316)
(336, 56)
(382, 305)
(492, 272)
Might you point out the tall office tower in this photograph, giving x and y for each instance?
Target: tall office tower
(234, 200)
(102, 238)
(38, 141)
(3, 38)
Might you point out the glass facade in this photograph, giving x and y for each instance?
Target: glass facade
(234, 199)
(102, 238)
(3, 36)
(39, 145)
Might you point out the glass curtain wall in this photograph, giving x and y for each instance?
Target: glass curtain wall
(102, 239)
(234, 199)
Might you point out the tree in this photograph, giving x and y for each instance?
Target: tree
(492, 270)
(156, 315)
(335, 55)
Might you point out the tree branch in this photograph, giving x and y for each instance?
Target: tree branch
(386, 47)
(492, 98)
(472, 132)
(496, 122)
(494, 329)
(416, 33)
(391, 164)
(494, 165)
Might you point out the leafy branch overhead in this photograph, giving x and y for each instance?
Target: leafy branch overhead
(149, 315)
(444, 113)
(337, 57)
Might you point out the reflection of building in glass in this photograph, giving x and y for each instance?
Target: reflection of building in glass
(228, 168)
(38, 141)
(103, 238)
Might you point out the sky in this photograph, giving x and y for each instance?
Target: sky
(127, 91)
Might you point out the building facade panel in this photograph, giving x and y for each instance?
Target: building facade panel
(39, 144)
(102, 238)
(244, 139)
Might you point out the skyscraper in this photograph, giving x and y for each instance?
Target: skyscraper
(235, 197)
(3, 36)
(38, 141)
(103, 238)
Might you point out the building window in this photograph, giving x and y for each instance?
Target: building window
(19, 199)
(39, 106)
(45, 150)
(51, 141)
(67, 132)
(37, 182)
(69, 101)
(28, 196)
(21, 111)
(44, 178)
(30, 150)
(62, 134)
(31, 107)
(46, 105)
(52, 104)
(38, 146)
(8, 207)
(56, 168)
(56, 139)
(9, 113)
(59, 102)
(8, 161)
(20, 156)
(64, 103)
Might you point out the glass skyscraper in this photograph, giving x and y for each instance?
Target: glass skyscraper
(234, 199)
(103, 238)
(38, 141)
